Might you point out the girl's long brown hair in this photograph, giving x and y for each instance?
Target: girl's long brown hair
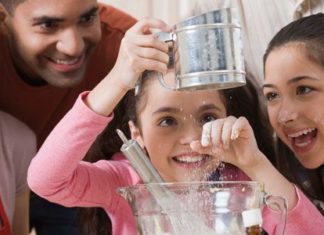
(308, 34)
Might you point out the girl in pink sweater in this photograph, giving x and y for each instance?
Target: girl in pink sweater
(294, 91)
(168, 125)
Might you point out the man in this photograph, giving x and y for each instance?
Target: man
(50, 52)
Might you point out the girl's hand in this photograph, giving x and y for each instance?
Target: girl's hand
(140, 50)
(230, 140)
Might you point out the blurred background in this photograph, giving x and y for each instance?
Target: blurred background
(171, 11)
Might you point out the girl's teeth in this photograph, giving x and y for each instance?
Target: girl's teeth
(189, 159)
(303, 132)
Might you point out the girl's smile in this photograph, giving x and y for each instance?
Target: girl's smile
(303, 141)
(294, 90)
(171, 120)
(191, 160)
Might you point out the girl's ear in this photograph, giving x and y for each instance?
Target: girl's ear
(136, 134)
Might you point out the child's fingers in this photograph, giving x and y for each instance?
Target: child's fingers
(216, 133)
(196, 146)
(215, 153)
(145, 25)
(153, 54)
(139, 47)
(140, 58)
(227, 131)
(212, 132)
(149, 41)
(238, 128)
(206, 134)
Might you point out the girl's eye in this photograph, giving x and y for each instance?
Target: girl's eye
(208, 118)
(303, 90)
(168, 121)
(270, 96)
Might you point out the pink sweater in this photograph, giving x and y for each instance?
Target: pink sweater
(58, 174)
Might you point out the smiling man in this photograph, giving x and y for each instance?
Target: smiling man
(50, 51)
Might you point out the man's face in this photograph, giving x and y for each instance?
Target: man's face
(52, 40)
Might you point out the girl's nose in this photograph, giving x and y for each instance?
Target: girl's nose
(287, 113)
(71, 43)
(190, 133)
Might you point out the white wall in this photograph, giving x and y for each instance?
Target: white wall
(171, 11)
